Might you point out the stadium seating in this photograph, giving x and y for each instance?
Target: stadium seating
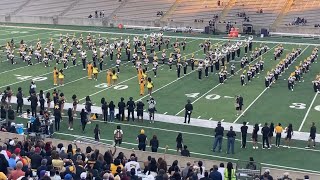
(271, 9)
(189, 10)
(308, 9)
(86, 7)
(143, 9)
(9, 6)
(44, 8)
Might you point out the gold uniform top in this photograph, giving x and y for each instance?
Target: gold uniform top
(114, 77)
(95, 70)
(61, 76)
(149, 84)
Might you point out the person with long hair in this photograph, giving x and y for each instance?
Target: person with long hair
(150, 85)
(83, 117)
(271, 127)
(229, 172)
(97, 133)
(289, 131)
(48, 99)
(201, 171)
(255, 136)
(179, 141)
(154, 144)
(70, 121)
(75, 104)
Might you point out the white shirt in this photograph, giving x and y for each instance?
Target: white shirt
(4, 152)
(132, 164)
(221, 170)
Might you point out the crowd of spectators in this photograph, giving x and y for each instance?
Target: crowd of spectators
(298, 21)
(159, 13)
(244, 16)
(97, 14)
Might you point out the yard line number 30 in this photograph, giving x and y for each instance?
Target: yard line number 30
(302, 106)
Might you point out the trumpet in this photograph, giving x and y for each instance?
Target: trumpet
(250, 38)
(145, 36)
(152, 35)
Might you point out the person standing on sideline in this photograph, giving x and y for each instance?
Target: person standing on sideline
(188, 111)
(289, 131)
(121, 106)
(57, 118)
(244, 132)
(154, 144)
(278, 130)
(130, 107)
(97, 133)
(218, 137)
(179, 141)
(151, 108)
(70, 122)
(19, 101)
(83, 117)
(142, 139)
(312, 137)
(111, 111)
(265, 136)
(231, 135)
(104, 108)
(140, 106)
(255, 136)
(118, 134)
(271, 133)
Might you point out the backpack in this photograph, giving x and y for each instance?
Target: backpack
(118, 134)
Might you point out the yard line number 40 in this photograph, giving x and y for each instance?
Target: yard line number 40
(209, 97)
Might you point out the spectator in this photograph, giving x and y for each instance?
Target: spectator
(229, 172)
(42, 167)
(12, 161)
(266, 175)
(173, 166)
(251, 165)
(15, 174)
(154, 144)
(133, 164)
(218, 137)
(206, 176)
(142, 140)
(152, 167)
(116, 163)
(221, 170)
(185, 151)
(200, 170)
(36, 159)
(5, 152)
(215, 174)
(11, 116)
(185, 171)
(3, 113)
(53, 175)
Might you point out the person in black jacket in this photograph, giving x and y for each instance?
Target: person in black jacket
(231, 135)
(140, 106)
(244, 132)
(131, 106)
(34, 103)
(188, 110)
(3, 113)
(88, 107)
(10, 114)
(265, 136)
(19, 96)
(218, 137)
(104, 108)
(70, 115)
(57, 118)
(154, 144)
(121, 106)
(83, 117)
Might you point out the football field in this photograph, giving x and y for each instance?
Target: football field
(211, 100)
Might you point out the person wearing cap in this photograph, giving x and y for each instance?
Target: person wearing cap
(188, 111)
(266, 175)
(68, 177)
(218, 137)
(130, 107)
(121, 106)
(132, 164)
(140, 106)
(142, 139)
(36, 159)
(83, 175)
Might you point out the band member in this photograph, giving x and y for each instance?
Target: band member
(109, 77)
(74, 59)
(118, 61)
(95, 72)
(146, 63)
(232, 67)
(61, 77)
(179, 65)
(206, 67)
(155, 67)
(220, 74)
(142, 84)
(242, 77)
(291, 80)
(150, 86)
(170, 61)
(84, 59)
(55, 76)
(185, 66)
(200, 67)
(163, 56)
(89, 68)
(192, 61)
(140, 74)
(114, 77)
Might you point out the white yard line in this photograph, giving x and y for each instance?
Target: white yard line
(264, 91)
(308, 111)
(187, 37)
(220, 84)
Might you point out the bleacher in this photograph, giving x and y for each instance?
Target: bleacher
(271, 10)
(86, 7)
(143, 10)
(46, 8)
(308, 9)
(189, 10)
(9, 6)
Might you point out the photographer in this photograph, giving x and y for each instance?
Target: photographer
(151, 108)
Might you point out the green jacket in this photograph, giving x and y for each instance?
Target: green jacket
(233, 174)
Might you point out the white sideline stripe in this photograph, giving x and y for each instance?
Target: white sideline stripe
(220, 83)
(210, 118)
(265, 89)
(165, 113)
(199, 117)
(187, 37)
(308, 111)
(133, 78)
(201, 154)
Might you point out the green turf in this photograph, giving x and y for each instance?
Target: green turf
(211, 100)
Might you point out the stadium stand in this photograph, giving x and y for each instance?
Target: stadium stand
(270, 10)
(86, 7)
(143, 9)
(307, 9)
(190, 10)
(45, 8)
(7, 7)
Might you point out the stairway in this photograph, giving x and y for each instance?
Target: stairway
(171, 10)
(123, 2)
(20, 7)
(227, 9)
(283, 12)
(75, 2)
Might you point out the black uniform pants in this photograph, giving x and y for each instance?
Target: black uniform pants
(132, 114)
(244, 140)
(57, 124)
(265, 141)
(121, 115)
(19, 108)
(33, 111)
(187, 115)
